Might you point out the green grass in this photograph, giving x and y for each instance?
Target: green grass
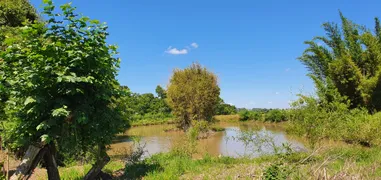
(172, 166)
(78, 172)
(346, 162)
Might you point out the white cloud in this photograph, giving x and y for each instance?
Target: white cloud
(231, 104)
(288, 69)
(277, 93)
(176, 51)
(252, 103)
(194, 45)
(269, 102)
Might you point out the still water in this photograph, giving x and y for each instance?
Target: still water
(225, 143)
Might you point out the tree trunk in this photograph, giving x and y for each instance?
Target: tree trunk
(30, 161)
(50, 162)
(95, 171)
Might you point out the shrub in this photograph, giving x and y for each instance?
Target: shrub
(244, 115)
(275, 115)
(317, 120)
(276, 171)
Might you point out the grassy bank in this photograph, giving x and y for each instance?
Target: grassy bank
(346, 162)
(341, 161)
(147, 122)
(227, 118)
(172, 120)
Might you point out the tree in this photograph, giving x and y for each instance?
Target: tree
(12, 15)
(14, 12)
(348, 65)
(145, 103)
(63, 88)
(161, 92)
(225, 109)
(193, 94)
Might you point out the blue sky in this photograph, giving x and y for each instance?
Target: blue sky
(251, 45)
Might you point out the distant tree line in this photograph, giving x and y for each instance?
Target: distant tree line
(264, 115)
(149, 106)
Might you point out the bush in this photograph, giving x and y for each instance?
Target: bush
(276, 171)
(318, 120)
(275, 115)
(244, 115)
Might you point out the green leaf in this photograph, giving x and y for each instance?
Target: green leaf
(60, 112)
(94, 21)
(29, 100)
(43, 125)
(45, 139)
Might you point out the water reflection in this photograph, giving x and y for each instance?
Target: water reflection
(221, 143)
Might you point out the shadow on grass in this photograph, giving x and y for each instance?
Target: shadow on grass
(141, 169)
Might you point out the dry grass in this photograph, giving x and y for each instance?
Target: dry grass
(227, 118)
(348, 163)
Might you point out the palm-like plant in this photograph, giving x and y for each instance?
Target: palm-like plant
(347, 63)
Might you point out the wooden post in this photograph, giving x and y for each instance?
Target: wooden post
(96, 170)
(7, 165)
(51, 165)
(30, 161)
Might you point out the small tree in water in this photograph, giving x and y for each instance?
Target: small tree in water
(63, 87)
(193, 94)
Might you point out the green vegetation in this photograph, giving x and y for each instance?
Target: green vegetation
(59, 94)
(264, 115)
(14, 13)
(349, 64)
(146, 109)
(193, 94)
(61, 87)
(338, 161)
(344, 110)
(225, 109)
(346, 78)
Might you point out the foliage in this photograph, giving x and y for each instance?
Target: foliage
(244, 115)
(335, 120)
(146, 106)
(276, 115)
(14, 13)
(349, 63)
(276, 171)
(193, 94)
(225, 109)
(63, 87)
(161, 93)
(272, 115)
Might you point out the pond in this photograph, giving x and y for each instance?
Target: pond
(226, 143)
